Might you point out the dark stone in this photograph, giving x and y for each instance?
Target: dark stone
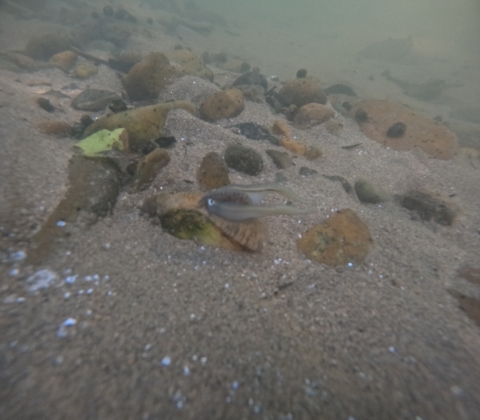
(397, 129)
(121, 14)
(117, 105)
(95, 15)
(86, 120)
(280, 159)
(255, 131)
(94, 100)
(244, 67)
(243, 159)
(347, 105)
(361, 115)
(431, 206)
(301, 74)
(166, 142)
(251, 78)
(45, 104)
(108, 11)
(120, 64)
(132, 19)
(304, 171)
(340, 89)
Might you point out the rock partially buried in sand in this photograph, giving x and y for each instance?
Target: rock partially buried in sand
(433, 138)
(223, 104)
(312, 114)
(212, 172)
(368, 192)
(186, 62)
(43, 47)
(149, 167)
(142, 124)
(243, 159)
(300, 92)
(431, 206)
(341, 239)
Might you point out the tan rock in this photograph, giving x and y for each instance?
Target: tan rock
(85, 71)
(301, 92)
(212, 172)
(64, 60)
(186, 62)
(311, 114)
(432, 137)
(223, 104)
(341, 239)
(149, 166)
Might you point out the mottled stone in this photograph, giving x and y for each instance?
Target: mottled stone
(212, 172)
(368, 192)
(243, 159)
(281, 159)
(341, 239)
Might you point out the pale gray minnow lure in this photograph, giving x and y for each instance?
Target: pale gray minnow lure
(237, 202)
(237, 212)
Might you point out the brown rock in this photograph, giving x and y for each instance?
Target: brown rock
(433, 138)
(223, 104)
(341, 239)
(301, 92)
(150, 166)
(212, 172)
(64, 60)
(84, 71)
(54, 127)
(472, 274)
(311, 114)
(186, 62)
(430, 206)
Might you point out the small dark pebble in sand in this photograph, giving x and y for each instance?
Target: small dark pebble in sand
(252, 78)
(117, 105)
(340, 89)
(95, 15)
(243, 159)
(361, 115)
(347, 105)
(397, 129)
(93, 100)
(86, 120)
(301, 74)
(255, 131)
(166, 142)
(45, 104)
(304, 171)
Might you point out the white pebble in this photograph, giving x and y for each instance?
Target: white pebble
(61, 223)
(71, 279)
(41, 280)
(166, 361)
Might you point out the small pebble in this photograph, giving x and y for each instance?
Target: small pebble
(166, 361)
(61, 223)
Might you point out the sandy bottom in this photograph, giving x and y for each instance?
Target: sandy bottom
(168, 329)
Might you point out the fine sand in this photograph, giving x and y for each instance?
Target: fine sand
(171, 329)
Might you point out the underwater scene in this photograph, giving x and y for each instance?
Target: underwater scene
(222, 210)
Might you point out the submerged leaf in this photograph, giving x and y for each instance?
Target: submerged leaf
(104, 141)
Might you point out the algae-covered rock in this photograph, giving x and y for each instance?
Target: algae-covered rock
(103, 141)
(142, 124)
(341, 239)
(150, 166)
(147, 78)
(223, 104)
(243, 159)
(84, 71)
(301, 92)
(212, 172)
(431, 206)
(184, 216)
(280, 159)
